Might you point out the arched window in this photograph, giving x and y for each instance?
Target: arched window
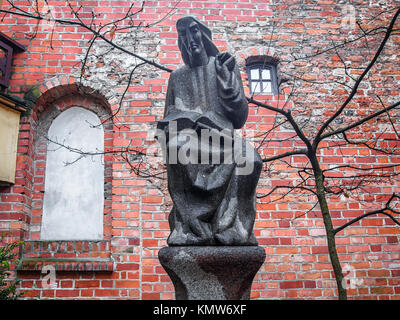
(262, 75)
(73, 200)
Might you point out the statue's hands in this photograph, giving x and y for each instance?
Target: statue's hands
(225, 60)
(224, 65)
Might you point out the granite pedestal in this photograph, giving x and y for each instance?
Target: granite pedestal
(212, 273)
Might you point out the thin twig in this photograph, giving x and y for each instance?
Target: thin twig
(379, 211)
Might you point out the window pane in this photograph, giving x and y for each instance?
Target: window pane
(255, 86)
(254, 74)
(267, 87)
(266, 74)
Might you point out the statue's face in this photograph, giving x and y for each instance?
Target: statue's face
(191, 37)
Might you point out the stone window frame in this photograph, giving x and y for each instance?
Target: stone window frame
(66, 255)
(40, 152)
(263, 62)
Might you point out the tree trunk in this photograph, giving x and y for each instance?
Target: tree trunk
(333, 256)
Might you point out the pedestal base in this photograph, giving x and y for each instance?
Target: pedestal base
(212, 273)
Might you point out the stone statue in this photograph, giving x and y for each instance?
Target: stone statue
(213, 201)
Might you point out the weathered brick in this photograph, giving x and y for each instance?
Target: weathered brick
(136, 211)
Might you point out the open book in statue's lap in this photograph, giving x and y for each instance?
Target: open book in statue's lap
(191, 120)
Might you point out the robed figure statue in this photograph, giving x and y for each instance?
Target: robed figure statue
(214, 202)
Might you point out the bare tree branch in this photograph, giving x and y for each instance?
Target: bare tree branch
(286, 154)
(360, 122)
(379, 211)
(319, 136)
(95, 32)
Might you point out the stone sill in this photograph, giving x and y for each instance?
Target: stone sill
(65, 264)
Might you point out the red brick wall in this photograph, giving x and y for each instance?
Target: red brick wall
(297, 264)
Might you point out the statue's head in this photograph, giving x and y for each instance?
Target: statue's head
(194, 41)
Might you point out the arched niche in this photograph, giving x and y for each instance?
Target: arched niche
(73, 200)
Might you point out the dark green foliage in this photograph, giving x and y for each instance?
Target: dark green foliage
(8, 288)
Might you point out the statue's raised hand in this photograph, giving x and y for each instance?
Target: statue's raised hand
(224, 65)
(225, 59)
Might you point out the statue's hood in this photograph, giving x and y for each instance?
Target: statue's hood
(210, 47)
